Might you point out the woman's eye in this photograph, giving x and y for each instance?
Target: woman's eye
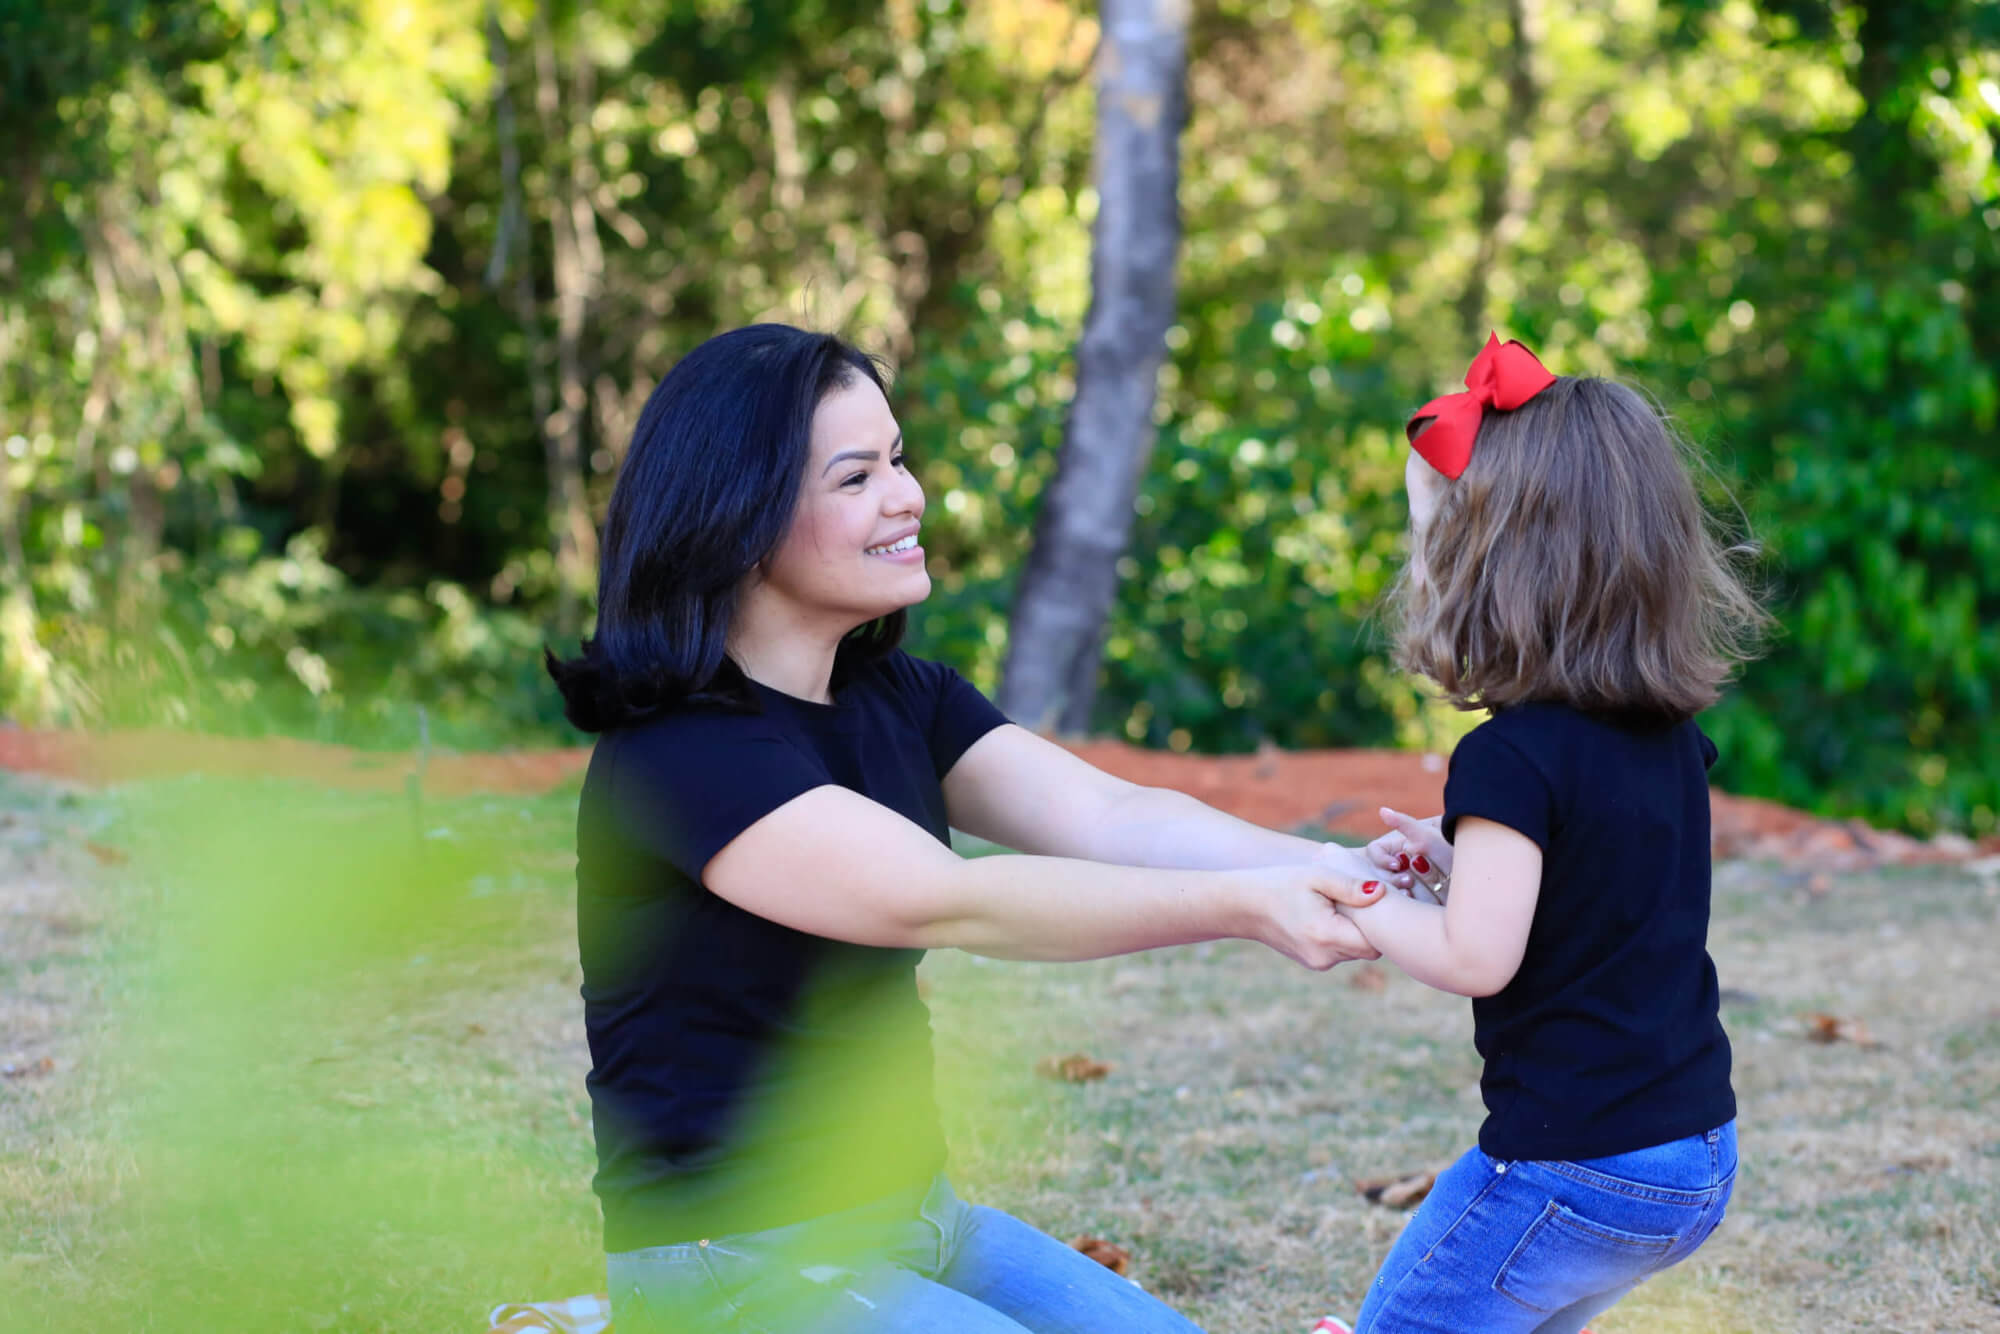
(901, 460)
(854, 479)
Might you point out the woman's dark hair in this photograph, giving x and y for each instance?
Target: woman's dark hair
(706, 493)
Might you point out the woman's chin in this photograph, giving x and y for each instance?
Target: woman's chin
(921, 586)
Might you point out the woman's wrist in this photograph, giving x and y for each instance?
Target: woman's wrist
(1247, 907)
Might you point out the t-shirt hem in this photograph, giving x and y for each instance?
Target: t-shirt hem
(1591, 1142)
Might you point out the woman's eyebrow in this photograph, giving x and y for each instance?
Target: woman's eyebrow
(867, 455)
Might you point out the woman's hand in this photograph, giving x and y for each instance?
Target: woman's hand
(1301, 921)
(1413, 852)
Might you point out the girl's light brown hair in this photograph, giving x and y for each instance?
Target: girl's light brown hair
(1573, 561)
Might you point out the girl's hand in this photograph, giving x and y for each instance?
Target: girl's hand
(1413, 853)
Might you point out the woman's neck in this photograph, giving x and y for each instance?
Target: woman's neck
(773, 651)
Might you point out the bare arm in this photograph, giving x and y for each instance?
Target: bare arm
(833, 863)
(1472, 946)
(1023, 791)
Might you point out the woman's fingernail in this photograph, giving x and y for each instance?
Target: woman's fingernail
(1402, 861)
(1371, 887)
(1423, 865)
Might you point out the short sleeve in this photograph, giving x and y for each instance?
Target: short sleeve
(685, 788)
(956, 714)
(1491, 779)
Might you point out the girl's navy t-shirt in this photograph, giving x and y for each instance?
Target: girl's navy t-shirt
(745, 1075)
(1609, 1038)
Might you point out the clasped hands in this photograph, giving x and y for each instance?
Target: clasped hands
(1412, 858)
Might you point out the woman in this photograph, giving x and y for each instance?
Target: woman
(763, 857)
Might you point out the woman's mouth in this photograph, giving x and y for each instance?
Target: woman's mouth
(900, 547)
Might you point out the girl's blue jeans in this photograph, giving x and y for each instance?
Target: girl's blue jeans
(1541, 1247)
(919, 1262)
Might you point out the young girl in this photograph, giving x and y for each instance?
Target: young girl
(1561, 575)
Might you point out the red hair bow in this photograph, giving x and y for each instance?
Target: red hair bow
(1503, 377)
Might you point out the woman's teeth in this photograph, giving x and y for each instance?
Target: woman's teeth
(901, 544)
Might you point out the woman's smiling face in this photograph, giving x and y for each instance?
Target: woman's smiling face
(851, 553)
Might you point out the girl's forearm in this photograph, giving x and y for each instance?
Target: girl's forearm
(1417, 938)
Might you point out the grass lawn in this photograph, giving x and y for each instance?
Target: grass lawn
(316, 1063)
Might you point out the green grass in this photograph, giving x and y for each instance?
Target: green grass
(319, 1064)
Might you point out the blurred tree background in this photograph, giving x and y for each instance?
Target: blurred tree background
(323, 324)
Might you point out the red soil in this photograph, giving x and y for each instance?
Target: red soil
(1336, 790)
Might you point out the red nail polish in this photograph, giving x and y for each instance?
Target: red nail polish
(1371, 887)
(1402, 861)
(1423, 866)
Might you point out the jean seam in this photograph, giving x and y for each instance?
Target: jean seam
(1492, 1182)
(1631, 1189)
(949, 1234)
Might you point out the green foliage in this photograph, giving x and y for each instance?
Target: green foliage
(300, 301)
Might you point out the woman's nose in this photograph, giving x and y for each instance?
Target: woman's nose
(907, 497)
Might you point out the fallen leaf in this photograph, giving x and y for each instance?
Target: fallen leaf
(106, 854)
(1112, 1257)
(21, 1070)
(1075, 1068)
(1925, 1162)
(1832, 1028)
(475, 1030)
(1368, 977)
(1398, 1192)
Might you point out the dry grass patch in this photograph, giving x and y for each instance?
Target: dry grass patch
(1247, 1098)
(318, 1063)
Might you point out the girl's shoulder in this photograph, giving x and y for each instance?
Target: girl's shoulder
(1552, 731)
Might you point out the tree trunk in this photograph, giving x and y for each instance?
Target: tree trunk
(1086, 518)
(1507, 186)
(576, 265)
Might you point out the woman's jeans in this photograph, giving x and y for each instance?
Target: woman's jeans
(1510, 1248)
(921, 1261)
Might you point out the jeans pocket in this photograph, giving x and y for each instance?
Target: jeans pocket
(1564, 1257)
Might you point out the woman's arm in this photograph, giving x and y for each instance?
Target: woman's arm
(1025, 792)
(833, 863)
(1472, 946)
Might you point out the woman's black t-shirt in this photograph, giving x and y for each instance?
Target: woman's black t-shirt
(746, 1075)
(1608, 1039)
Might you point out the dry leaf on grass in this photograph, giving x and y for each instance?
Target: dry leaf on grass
(1398, 1192)
(1368, 977)
(1923, 1162)
(1075, 1068)
(1112, 1257)
(23, 1069)
(106, 854)
(1832, 1028)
